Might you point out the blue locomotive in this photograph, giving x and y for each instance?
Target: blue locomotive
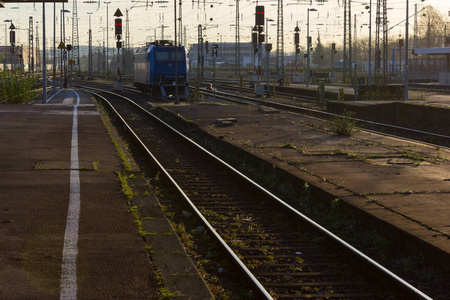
(154, 69)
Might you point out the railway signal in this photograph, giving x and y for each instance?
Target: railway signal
(118, 85)
(12, 37)
(257, 39)
(259, 16)
(297, 45)
(118, 26)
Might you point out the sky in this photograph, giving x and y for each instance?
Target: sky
(148, 19)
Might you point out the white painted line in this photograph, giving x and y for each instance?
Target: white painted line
(70, 251)
(53, 96)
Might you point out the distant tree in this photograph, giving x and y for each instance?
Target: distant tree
(361, 49)
(431, 28)
(318, 52)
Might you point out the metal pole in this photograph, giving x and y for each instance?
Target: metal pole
(12, 53)
(44, 87)
(369, 79)
(64, 50)
(406, 52)
(54, 48)
(307, 50)
(259, 58)
(90, 48)
(6, 47)
(177, 101)
(107, 38)
(267, 54)
(332, 63)
(214, 78)
(61, 52)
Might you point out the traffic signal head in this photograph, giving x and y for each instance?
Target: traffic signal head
(401, 42)
(12, 36)
(118, 26)
(69, 47)
(259, 16)
(296, 38)
(333, 46)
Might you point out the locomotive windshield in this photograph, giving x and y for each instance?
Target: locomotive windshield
(169, 56)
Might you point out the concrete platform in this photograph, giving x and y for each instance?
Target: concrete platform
(401, 187)
(65, 226)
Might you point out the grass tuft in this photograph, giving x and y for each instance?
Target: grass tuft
(343, 125)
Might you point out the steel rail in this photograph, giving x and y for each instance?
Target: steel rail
(399, 282)
(260, 289)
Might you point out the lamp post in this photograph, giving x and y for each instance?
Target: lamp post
(6, 41)
(308, 51)
(6, 46)
(107, 39)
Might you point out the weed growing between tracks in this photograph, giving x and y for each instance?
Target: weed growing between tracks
(215, 268)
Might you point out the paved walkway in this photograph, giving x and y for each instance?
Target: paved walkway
(65, 227)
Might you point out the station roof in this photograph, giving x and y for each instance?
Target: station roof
(432, 51)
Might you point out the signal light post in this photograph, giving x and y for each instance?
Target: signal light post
(333, 52)
(308, 42)
(258, 38)
(297, 46)
(12, 40)
(118, 85)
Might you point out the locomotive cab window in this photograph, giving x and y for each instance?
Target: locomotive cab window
(163, 56)
(180, 56)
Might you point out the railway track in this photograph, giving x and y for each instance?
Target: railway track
(282, 253)
(281, 97)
